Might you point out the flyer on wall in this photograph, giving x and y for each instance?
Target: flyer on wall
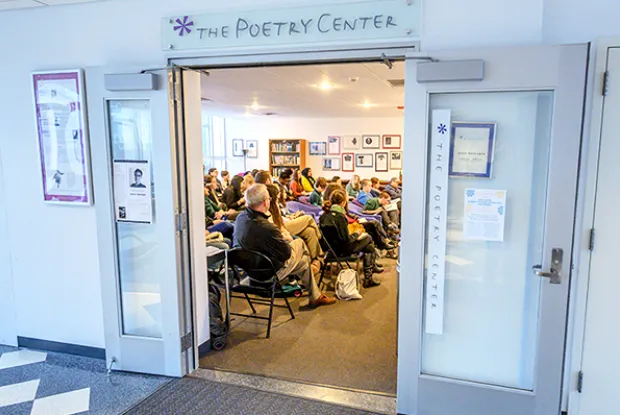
(485, 214)
(63, 143)
(132, 191)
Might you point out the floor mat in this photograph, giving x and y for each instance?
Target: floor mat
(351, 344)
(191, 396)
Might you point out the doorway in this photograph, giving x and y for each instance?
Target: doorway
(332, 114)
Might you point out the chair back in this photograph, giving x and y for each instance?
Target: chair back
(257, 266)
(327, 248)
(357, 211)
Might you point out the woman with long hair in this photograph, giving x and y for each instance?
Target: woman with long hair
(334, 225)
(215, 216)
(296, 187)
(307, 181)
(233, 195)
(302, 226)
(354, 186)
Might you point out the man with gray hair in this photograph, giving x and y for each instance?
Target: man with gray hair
(254, 232)
(392, 189)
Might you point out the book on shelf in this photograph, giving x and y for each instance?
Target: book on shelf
(290, 159)
(285, 146)
(276, 171)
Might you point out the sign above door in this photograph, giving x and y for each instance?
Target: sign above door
(385, 20)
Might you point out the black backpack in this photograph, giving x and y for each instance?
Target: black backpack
(218, 327)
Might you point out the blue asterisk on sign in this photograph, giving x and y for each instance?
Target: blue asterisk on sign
(184, 26)
(442, 128)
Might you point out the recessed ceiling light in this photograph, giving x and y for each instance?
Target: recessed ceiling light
(325, 86)
(354, 78)
(368, 105)
(255, 106)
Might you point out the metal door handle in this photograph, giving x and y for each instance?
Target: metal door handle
(555, 271)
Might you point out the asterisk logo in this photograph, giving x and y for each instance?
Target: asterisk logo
(184, 26)
(442, 128)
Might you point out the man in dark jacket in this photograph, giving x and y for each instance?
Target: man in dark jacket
(254, 232)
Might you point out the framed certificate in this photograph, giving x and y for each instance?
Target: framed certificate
(347, 162)
(396, 160)
(252, 147)
(318, 148)
(333, 145)
(237, 147)
(364, 160)
(381, 161)
(391, 141)
(63, 136)
(352, 142)
(331, 163)
(371, 141)
(472, 148)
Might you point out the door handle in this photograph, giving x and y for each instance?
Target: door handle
(555, 272)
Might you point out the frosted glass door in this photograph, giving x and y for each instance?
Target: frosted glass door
(492, 297)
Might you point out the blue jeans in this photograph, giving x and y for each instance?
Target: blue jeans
(225, 228)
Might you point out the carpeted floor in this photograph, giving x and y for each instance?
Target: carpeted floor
(350, 344)
(191, 396)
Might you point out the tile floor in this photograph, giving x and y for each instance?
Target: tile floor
(39, 383)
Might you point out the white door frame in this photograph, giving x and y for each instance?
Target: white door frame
(585, 219)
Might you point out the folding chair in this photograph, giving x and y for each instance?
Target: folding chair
(263, 283)
(332, 258)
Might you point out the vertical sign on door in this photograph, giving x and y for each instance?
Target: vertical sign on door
(437, 220)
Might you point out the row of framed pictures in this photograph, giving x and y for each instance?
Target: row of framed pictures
(354, 142)
(250, 147)
(382, 161)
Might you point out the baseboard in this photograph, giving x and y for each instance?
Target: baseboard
(204, 348)
(67, 348)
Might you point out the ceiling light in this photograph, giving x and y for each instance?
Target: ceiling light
(368, 105)
(354, 78)
(325, 86)
(255, 106)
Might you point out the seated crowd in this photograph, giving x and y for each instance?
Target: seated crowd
(253, 211)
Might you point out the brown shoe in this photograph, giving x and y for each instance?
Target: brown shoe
(322, 300)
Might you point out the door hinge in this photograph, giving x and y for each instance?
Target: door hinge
(579, 381)
(592, 236)
(605, 83)
(186, 341)
(181, 220)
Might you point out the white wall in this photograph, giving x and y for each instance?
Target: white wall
(310, 129)
(53, 248)
(8, 328)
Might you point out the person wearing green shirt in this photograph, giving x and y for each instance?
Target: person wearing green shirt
(316, 197)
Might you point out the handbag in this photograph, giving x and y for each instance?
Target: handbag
(346, 285)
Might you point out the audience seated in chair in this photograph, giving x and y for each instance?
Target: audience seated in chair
(316, 197)
(307, 180)
(254, 232)
(354, 186)
(374, 206)
(334, 226)
(233, 195)
(296, 186)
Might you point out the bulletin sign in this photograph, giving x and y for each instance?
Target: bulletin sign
(62, 136)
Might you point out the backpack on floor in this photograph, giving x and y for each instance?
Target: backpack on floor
(217, 324)
(346, 285)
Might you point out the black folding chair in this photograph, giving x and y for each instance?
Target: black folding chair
(331, 257)
(262, 282)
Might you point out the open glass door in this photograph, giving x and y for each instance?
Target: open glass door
(140, 220)
(500, 177)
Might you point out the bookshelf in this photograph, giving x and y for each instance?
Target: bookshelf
(289, 153)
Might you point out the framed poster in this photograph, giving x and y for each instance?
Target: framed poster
(391, 141)
(132, 191)
(318, 148)
(63, 136)
(352, 142)
(381, 161)
(472, 149)
(333, 145)
(237, 144)
(252, 147)
(364, 160)
(347, 162)
(331, 163)
(371, 141)
(396, 160)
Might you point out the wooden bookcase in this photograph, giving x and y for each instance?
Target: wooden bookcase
(289, 153)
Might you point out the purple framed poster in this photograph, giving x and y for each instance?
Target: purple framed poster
(61, 131)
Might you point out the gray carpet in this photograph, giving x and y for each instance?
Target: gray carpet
(191, 396)
(350, 344)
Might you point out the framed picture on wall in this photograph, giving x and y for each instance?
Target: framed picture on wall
(396, 160)
(471, 152)
(364, 160)
(352, 142)
(237, 144)
(391, 141)
(381, 161)
(333, 145)
(371, 141)
(252, 147)
(347, 162)
(318, 148)
(331, 163)
(62, 130)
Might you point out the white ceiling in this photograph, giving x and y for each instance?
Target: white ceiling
(291, 91)
(28, 4)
